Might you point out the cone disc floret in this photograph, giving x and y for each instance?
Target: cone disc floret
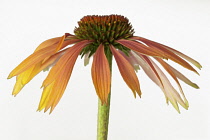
(104, 30)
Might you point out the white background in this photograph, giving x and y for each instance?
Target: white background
(183, 25)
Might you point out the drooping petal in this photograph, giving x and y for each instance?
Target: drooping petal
(60, 43)
(48, 43)
(45, 96)
(172, 56)
(153, 68)
(101, 74)
(141, 48)
(23, 78)
(127, 72)
(171, 53)
(132, 60)
(148, 70)
(55, 71)
(189, 59)
(170, 92)
(58, 77)
(194, 62)
(40, 54)
(33, 59)
(56, 41)
(52, 60)
(183, 78)
(26, 76)
(168, 69)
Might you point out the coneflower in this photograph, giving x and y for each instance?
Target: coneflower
(102, 37)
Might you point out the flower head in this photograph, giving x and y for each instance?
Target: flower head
(100, 37)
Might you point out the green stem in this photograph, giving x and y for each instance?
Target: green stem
(103, 111)
(103, 120)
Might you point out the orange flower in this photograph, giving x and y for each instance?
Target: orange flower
(100, 37)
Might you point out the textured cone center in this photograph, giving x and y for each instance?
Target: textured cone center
(104, 29)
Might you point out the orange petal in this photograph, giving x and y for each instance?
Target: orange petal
(58, 77)
(101, 74)
(131, 59)
(60, 42)
(127, 72)
(54, 72)
(176, 58)
(40, 54)
(194, 62)
(141, 48)
(49, 62)
(170, 54)
(48, 43)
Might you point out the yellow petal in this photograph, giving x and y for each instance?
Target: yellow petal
(45, 96)
(58, 77)
(24, 78)
(101, 74)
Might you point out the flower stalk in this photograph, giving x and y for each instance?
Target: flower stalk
(103, 119)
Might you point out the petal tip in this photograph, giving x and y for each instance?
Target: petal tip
(195, 86)
(10, 76)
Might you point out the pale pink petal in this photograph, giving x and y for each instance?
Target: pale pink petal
(168, 69)
(162, 81)
(170, 92)
(183, 78)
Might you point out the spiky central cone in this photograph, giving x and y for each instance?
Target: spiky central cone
(104, 29)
